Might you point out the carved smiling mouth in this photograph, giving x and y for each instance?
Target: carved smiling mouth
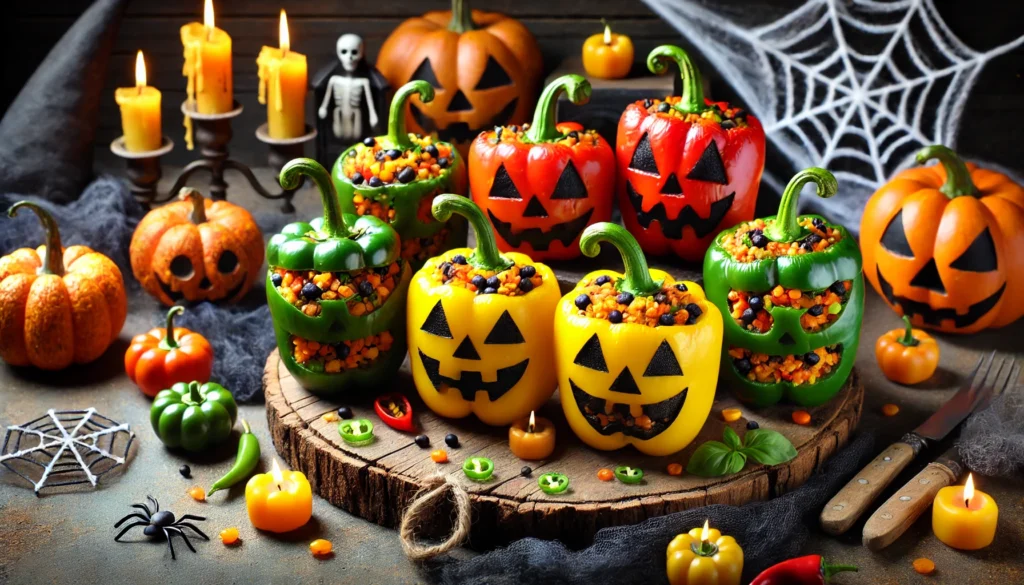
(617, 418)
(470, 382)
(460, 131)
(673, 228)
(540, 240)
(937, 316)
(177, 296)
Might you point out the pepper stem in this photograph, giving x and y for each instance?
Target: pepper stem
(291, 177)
(706, 548)
(692, 98)
(193, 393)
(198, 204)
(786, 228)
(168, 341)
(828, 570)
(958, 177)
(542, 129)
(53, 263)
(245, 427)
(397, 136)
(462, 17)
(908, 338)
(636, 276)
(486, 255)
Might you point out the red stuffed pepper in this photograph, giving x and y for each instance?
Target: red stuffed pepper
(541, 185)
(688, 167)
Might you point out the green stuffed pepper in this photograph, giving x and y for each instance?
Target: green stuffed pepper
(793, 288)
(396, 176)
(194, 416)
(336, 289)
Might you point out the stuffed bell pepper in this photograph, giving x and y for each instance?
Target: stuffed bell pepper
(794, 293)
(541, 184)
(637, 353)
(688, 167)
(336, 289)
(479, 325)
(395, 177)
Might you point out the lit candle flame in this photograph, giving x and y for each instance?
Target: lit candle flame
(533, 422)
(208, 19)
(704, 532)
(275, 472)
(607, 35)
(140, 72)
(968, 490)
(282, 30)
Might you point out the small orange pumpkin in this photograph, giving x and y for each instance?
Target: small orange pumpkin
(942, 244)
(198, 250)
(58, 308)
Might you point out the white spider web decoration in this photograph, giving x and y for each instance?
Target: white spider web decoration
(65, 448)
(855, 86)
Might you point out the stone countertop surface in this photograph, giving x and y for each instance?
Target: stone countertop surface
(69, 536)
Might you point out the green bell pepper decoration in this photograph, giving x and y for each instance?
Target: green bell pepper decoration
(410, 201)
(193, 416)
(341, 243)
(812, 271)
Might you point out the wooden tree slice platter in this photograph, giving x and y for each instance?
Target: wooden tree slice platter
(377, 481)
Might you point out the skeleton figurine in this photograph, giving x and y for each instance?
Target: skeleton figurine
(351, 96)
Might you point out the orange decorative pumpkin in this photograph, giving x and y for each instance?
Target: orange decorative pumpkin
(197, 250)
(942, 244)
(58, 308)
(486, 69)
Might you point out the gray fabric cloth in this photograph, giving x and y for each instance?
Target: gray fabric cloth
(47, 135)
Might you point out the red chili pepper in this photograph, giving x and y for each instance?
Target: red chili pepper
(388, 404)
(809, 570)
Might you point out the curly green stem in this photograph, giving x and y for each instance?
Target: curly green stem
(53, 256)
(291, 177)
(198, 204)
(542, 129)
(908, 338)
(636, 277)
(958, 177)
(486, 255)
(786, 227)
(398, 137)
(462, 17)
(169, 342)
(692, 98)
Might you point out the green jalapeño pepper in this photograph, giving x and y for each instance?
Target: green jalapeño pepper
(245, 461)
(193, 416)
(553, 483)
(356, 432)
(478, 468)
(336, 290)
(395, 177)
(627, 474)
(792, 291)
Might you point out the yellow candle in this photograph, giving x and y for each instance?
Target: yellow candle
(282, 74)
(532, 439)
(279, 501)
(140, 112)
(207, 68)
(963, 517)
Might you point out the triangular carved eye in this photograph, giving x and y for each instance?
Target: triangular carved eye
(436, 322)
(980, 256)
(672, 186)
(625, 383)
(570, 185)
(929, 278)
(643, 157)
(503, 187)
(710, 167)
(426, 73)
(534, 208)
(466, 350)
(895, 238)
(494, 75)
(505, 332)
(664, 363)
(591, 356)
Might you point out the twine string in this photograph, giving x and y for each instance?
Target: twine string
(423, 505)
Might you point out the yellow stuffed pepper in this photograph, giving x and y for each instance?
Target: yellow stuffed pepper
(637, 353)
(479, 325)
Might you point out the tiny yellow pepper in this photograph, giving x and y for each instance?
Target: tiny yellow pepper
(703, 556)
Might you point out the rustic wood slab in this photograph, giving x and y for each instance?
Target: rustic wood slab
(377, 481)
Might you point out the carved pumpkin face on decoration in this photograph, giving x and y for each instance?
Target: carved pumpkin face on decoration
(942, 244)
(688, 167)
(485, 69)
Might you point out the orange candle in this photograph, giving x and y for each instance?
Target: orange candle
(608, 55)
(140, 112)
(963, 517)
(207, 68)
(282, 74)
(279, 501)
(532, 439)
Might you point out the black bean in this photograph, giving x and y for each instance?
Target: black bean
(526, 285)
(422, 441)
(431, 150)
(276, 279)
(445, 268)
(811, 358)
(648, 103)
(817, 222)
(624, 298)
(743, 366)
(727, 124)
(479, 282)
(667, 319)
(574, 134)
(816, 310)
(582, 302)
(752, 425)
(497, 133)
(603, 279)
(664, 107)
(375, 182)
(344, 411)
(809, 242)
(351, 154)
(452, 440)
(527, 271)
(490, 291)
(681, 287)
(661, 298)
(514, 128)
(343, 351)
(693, 310)
(394, 154)
(366, 288)
(369, 141)
(458, 259)
(407, 175)
(494, 282)
(525, 471)
(775, 359)
(443, 162)
(748, 316)
(756, 303)
(758, 239)
(838, 287)
(311, 291)
(185, 471)
(357, 179)
(379, 156)
(615, 317)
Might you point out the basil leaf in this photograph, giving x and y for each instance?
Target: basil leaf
(767, 447)
(714, 459)
(732, 439)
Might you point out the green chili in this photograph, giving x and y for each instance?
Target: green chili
(553, 483)
(245, 462)
(627, 474)
(478, 468)
(356, 432)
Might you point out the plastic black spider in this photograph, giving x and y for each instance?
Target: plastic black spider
(160, 523)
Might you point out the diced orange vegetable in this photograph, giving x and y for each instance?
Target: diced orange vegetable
(731, 414)
(439, 456)
(924, 566)
(802, 417)
(320, 547)
(675, 469)
(229, 536)
(890, 410)
(605, 474)
(197, 493)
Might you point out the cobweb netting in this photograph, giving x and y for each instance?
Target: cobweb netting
(854, 86)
